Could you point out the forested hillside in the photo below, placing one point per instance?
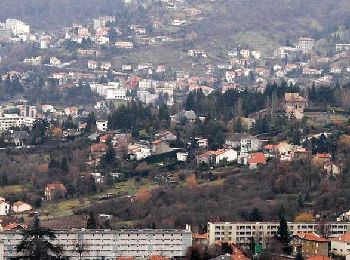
(289, 16)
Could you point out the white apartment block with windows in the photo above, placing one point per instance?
(13, 120)
(16, 26)
(110, 244)
(242, 232)
(111, 91)
(306, 44)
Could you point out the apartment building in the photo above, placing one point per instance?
(242, 232)
(306, 44)
(110, 244)
(13, 120)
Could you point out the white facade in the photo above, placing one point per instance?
(229, 155)
(102, 125)
(241, 233)
(13, 120)
(111, 244)
(16, 26)
(4, 208)
(111, 91)
(181, 157)
(340, 247)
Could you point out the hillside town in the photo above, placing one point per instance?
(137, 139)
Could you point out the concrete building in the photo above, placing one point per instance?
(110, 244)
(306, 44)
(340, 246)
(241, 232)
(16, 26)
(103, 21)
(13, 120)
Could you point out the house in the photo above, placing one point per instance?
(181, 156)
(105, 138)
(310, 244)
(203, 158)
(305, 44)
(102, 125)
(20, 206)
(245, 53)
(228, 155)
(160, 146)
(256, 159)
(55, 191)
(18, 138)
(98, 148)
(106, 65)
(295, 100)
(92, 65)
(284, 151)
(245, 142)
(97, 177)
(166, 136)
(340, 246)
(200, 239)
(251, 144)
(4, 207)
(186, 116)
(202, 142)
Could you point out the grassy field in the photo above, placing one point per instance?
(13, 189)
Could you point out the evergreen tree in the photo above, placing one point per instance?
(36, 243)
(284, 235)
(255, 215)
(64, 165)
(91, 222)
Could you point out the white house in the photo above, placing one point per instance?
(229, 155)
(181, 156)
(20, 206)
(340, 246)
(102, 125)
(92, 65)
(4, 207)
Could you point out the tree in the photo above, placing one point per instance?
(64, 165)
(255, 215)
(37, 244)
(108, 159)
(91, 222)
(284, 235)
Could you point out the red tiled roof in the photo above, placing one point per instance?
(100, 147)
(312, 237)
(323, 156)
(320, 257)
(56, 186)
(257, 158)
(200, 236)
(344, 238)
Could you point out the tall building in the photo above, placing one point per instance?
(16, 26)
(306, 44)
(241, 232)
(103, 21)
(110, 244)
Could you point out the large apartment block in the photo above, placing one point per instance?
(109, 244)
(242, 232)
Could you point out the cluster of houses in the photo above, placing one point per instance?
(17, 208)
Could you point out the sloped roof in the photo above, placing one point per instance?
(312, 237)
(256, 158)
(56, 186)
